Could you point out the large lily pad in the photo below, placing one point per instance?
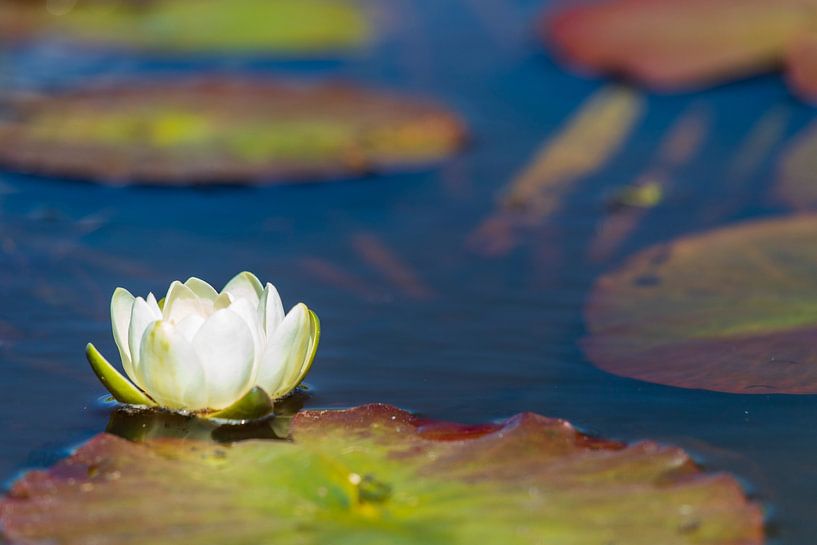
(223, 131)
(376, 475)
(677, 45)
(733, 310)
(284, 27)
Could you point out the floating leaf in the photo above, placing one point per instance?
(376, 475)
(734, 310)
(801, 61)
(284, 27)
(223, 131)
(677, 45)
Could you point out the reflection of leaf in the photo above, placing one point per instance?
(279, 26)
(376, 475)
(680, 144)
(734, 310)
(581, 147)
(224, 131)
(670, 44)
(796, 184)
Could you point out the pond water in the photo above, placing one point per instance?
(441, 329)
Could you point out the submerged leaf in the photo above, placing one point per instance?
(283, 27)
(223, 131)
(376, 475)
(734, 310)
(677, 45)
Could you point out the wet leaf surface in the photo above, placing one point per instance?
(732, 311)
(680, 45)
(223, 131)
(376, 474)
(282, 27)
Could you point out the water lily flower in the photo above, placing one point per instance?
(226, 354)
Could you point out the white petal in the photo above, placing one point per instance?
(205, 292)
(190, 326)
(245, 285)
(121, 308)
(142, 315)
(201, 288)
(225, 348)
(249, 314)
(270, 310)
(224, 300)
(153, 304)
(180, 303)
(285, 352)
(172, 373)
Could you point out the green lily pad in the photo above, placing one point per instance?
(223, 131)
(734, 310)
(674, 45)
(282, 27)
(376, 475)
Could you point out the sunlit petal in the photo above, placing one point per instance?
(245, 285)
(171, 370)
(225, 348)
(180, 303)
(285, 352)
(141, 317)
(121, 308)
(270, 310)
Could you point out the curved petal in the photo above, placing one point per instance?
(225, 348)
(180, 303)
(205, 292)
(142, 315)
(312, 348)
(270, 310)
(285, 353)
(201, 288)
(190, 326)
(119, 387)
(171, 370)
(249, 314)
(245, 285)
(121, 308)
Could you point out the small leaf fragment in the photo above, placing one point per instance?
(255, 404)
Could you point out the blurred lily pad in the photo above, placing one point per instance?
(282, 27)
(733, 310)
(376, 475)
(680, 45)
(223, 131)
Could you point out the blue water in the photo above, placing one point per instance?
(472, 338)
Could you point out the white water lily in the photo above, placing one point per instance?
(201, 350)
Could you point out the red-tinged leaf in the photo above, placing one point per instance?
(673, 45)
(730, 310)
(377, 475)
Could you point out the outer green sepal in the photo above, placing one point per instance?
(120, 388)
(255, 404)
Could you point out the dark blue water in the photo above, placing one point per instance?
(468, 337)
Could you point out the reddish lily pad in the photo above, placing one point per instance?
(278, 27)
(673, 45)
(376, 475)
(223, 131)
(734, 310)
